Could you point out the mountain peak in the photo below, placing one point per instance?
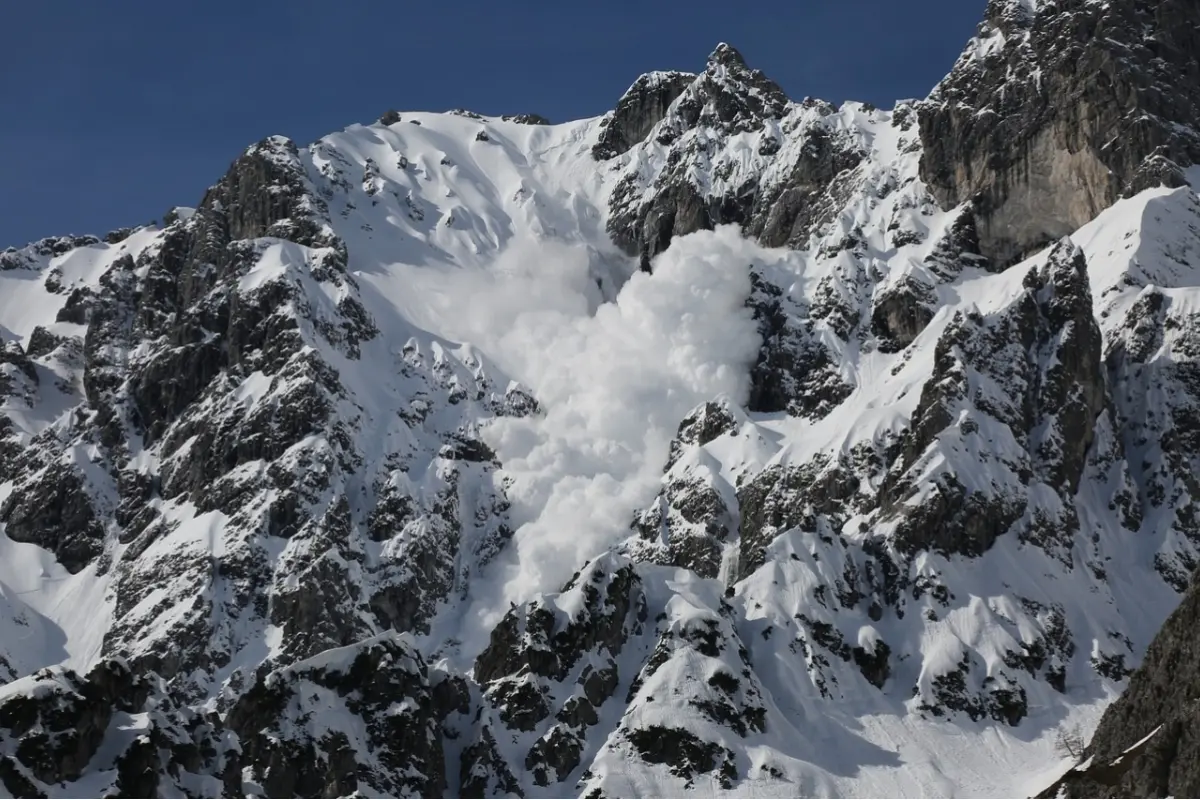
(728, 95)
(726, 55)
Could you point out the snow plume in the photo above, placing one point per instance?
(613, 386)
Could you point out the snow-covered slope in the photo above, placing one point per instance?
(710, 445)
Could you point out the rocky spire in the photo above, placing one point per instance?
(727, 55)
(731, 96)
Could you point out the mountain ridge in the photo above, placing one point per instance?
(719, 443)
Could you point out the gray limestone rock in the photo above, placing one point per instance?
(901, 312)
(526, 119)
(52, 508)
(727, 98)
(338, 550)
(1035, 369)
(781, 498)
(379, 728)
(685, 527)
(1054, 113)
(537, 652)
(794, 372)
(58, 724)
(1146, 744)
(642, 106)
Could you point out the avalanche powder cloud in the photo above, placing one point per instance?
(612, 384)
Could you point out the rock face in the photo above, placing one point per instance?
(548, 669)
(169, 334)
(1036, 371)
(57, 725)
(367, 718)
(690, 521)
(278, 518)
(641, 108)
(364, 718)
(694, 115)
(1145, 745)
(1059, 108)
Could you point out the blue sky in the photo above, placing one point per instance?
(112, 112)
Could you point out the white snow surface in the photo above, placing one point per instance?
(492, 256)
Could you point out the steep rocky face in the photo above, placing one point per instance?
(1058, 108)
(689, 523)
(795, 372)
(58, 724)
(367, 718)
(226, 384)
(728, 99)
(1012, 424)
(1036, 371)
(1146, 745)
(549, 668)
(638, 111)
(688, 720)
(811, 176)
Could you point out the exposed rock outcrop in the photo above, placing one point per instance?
(1036, 372)
(1146, 744)
(57, 724)
(642, 107)
(562, 646)
(366, 718)
(1056, 109)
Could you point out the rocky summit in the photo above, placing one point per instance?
(724, 444)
